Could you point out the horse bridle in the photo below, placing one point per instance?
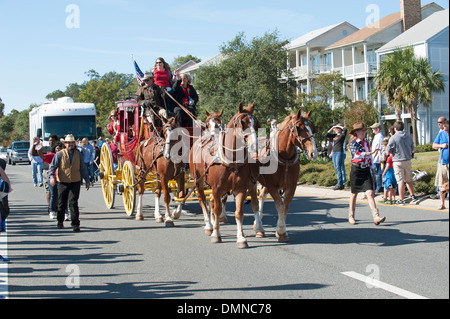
(236, 123)
(294, 132)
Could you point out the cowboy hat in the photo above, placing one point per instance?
(148, 76)
(358, 127)
(113, 112)
(69, 138)
(339, 125)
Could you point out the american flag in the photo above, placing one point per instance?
(139, 73)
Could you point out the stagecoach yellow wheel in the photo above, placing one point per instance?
(129, 190)
(107, 175)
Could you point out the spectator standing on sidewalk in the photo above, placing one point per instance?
(401, 145)
(441, 143)
(440, 122)
(376, 144)
(338, 154)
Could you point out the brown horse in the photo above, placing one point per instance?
(293, 133)
(223, 164)
(155, 157)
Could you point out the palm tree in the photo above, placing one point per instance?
(387, 80)
(408, 80)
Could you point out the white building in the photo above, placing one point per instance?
(355, 56)
(307, 57)
(430, 39)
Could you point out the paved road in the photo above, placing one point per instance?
(115, 256)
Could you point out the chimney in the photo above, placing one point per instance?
(411, 13)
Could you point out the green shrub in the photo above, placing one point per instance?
(424, 148)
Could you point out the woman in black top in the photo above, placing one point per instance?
(338, 154)
(185, 95)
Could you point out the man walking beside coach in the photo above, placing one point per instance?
(68, 165)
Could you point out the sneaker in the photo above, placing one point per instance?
(76, 228)
(40, 184)
(400, 202)
(385, 201)
(35, 185)
(60, 225)
(4, 259)
(52, 215)
(414, 199)
(66, 217)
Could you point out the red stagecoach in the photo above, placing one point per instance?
(118, 172)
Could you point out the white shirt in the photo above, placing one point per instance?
(376, 144)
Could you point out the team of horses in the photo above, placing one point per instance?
(231, 161)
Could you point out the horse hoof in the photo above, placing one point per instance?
(208, 232)
(216, 240)
(260, 234)
(159, 220)
(282, 238)
(169, 223)
(242, 245)
(139, 217)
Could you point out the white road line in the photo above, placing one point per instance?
(379, 284)
(3, 267)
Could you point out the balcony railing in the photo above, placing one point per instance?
(359, 69)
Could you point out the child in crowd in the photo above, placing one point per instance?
(389, 181)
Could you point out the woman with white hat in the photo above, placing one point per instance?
(338, 154)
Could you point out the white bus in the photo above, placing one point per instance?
(62, 117)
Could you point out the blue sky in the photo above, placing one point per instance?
(43, 48)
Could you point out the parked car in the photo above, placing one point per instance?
(18, 152)
(3, 153)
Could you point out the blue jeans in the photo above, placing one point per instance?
(36, 169)
(339, 165)
(90, 170)
(379, 177)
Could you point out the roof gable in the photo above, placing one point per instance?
(421, 32)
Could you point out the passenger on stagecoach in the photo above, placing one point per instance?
(114, 126)
(185, 95)
(164, 79)
(149, 96)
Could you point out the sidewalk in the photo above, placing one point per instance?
(425, 202)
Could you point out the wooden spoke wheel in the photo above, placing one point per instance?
(129, 189)
(107, 175)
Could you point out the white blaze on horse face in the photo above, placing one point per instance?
(316, 153)
(213, 128)
(253, 143)
(167, 146)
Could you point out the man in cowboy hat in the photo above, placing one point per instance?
(149, 96)
(70, 165)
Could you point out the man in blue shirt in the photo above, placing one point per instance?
(441, 143)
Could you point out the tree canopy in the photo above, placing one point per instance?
(252, 72)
